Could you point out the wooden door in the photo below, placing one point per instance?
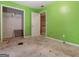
(42, 23)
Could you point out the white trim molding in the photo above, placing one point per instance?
(27, 36)
(65, 42)
(46, 23)
(1, 25)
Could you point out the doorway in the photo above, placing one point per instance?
(12, 22)
(43, 23)
(39, 24)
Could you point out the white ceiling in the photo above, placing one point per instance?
(34, 4)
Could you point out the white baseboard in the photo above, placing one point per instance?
(54, 39)
(73, 44)
(31, 36)
(27, 36)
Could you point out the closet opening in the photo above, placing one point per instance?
(13, 22)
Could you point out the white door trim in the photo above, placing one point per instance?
(3, 5)
(1, 26)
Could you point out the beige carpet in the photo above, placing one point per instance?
(38, 47)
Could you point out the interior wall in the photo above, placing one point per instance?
(11, 22)
(63, 21)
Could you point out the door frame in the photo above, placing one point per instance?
(3, 5)
(45, 22)
(1, 24)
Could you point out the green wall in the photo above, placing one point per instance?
(28, 12)
(63, 19)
